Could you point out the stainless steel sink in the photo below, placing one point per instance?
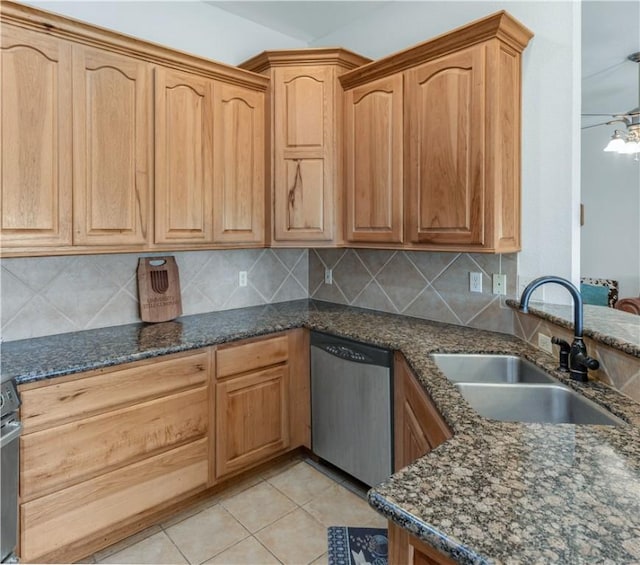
(477, 368)
(542, 403)
(512, 389)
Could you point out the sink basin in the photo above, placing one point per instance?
(541, 403)
(512, 389)
(477, 368)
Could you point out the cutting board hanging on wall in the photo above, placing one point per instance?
(159, 289)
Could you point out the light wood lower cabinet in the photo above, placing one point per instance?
(106, 452)
(251, 418)
(406, 549)
(131, 440)
(262, 400)
(419, 427)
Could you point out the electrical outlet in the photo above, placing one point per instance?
(328, 276)
(544, 343)
(242, 278)
(499, 284)
(475, 282)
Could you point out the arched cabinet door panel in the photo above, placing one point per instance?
(303, 154)
(373, 161)
(184, 157)
(112, 148)
(444, 119)
(36, 145)
(239, 162)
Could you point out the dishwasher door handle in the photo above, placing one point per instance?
(10, 432)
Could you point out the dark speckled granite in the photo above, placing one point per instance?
(495, 493)
(620, 330)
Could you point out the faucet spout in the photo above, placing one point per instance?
(578, 322)
(579, 361)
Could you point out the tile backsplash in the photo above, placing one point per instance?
(427, 285)
(51, 295)
(618, 369)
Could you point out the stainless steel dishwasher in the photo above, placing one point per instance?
(351, 406)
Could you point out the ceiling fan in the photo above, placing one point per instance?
(625, 141)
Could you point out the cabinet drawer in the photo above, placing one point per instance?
(55, 522)
(234, 359)
(100, 391)
(59, 457)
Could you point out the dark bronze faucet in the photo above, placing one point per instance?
(573, 358)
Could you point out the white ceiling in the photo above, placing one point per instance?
(610, 32)
(305, 20)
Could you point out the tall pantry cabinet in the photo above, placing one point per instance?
(306, 113)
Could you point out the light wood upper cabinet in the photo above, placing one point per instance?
(183, 157)
(112, 148)
(445, 159)
(306, 116)
(303, 164)
(239, 165)
(373, 161)
(461, 141)
(35, 196)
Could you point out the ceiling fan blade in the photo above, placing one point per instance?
(595, 125)
(612, 115)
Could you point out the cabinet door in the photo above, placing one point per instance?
(251, 418)
(303, 123)
(35, 196)
(184, 157)
(239, 160)
(444, 121)
(419, 427)
(374, 155)
(112, 148)
(407, 549)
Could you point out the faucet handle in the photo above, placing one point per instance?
(565, 348)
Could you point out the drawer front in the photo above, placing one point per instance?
(234, 359)
(51, 523)
(61, 456)
(102, 391)
(251, 419)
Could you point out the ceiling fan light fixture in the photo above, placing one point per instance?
(630, 148)
(616, 143)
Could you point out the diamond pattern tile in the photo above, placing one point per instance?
(352, 274)
(267, 275)
(43, 296)
(401, 281)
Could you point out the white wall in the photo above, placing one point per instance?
(611, 198)
(194, 27)
(550, 116)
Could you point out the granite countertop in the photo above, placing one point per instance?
(494, 493)
(612, 327)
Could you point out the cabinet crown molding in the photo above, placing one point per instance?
(501, 25)
(95, 36)
(297, 57)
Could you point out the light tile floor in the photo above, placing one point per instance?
(278, 516)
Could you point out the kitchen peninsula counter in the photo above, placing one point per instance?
(496, 492)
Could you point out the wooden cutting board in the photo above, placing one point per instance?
(159, 289)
